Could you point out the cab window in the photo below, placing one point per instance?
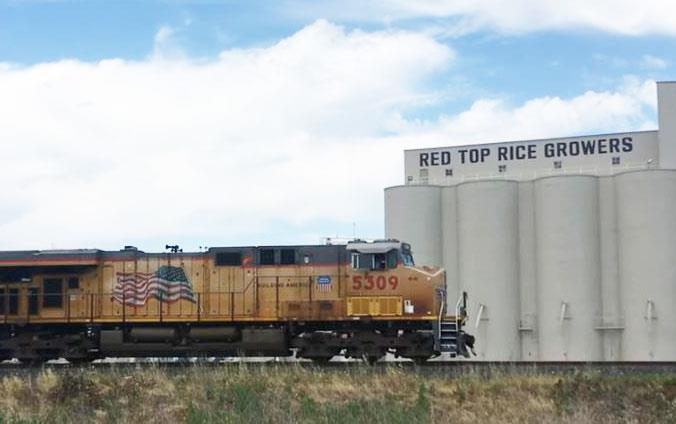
(392, 259)
(407, 259)
(379, 261)
(375, 261)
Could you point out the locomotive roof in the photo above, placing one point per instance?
(94, 256)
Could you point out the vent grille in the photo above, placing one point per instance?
(374, 306)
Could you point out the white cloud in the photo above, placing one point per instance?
(628, 108)
(240, 148)
(516, 16)
(96, 153)
(166, 45)
(653, 62)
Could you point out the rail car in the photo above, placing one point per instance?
(360, 300)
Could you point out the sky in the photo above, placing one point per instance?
(225, 123)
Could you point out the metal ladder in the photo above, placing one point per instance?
(448, 330)
(448, 337)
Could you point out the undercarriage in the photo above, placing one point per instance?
(319, 341)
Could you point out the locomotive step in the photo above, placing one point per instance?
(448, 337)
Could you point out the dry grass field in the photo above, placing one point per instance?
(301, 394)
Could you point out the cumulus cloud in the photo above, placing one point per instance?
(257, 146)
(261, 138)
(516, 16)
(630, 107)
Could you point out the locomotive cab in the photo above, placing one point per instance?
(386, 284)
(380, 255)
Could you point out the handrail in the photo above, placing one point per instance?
(442, 306)
(479, 315)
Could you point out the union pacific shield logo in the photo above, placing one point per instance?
(324, 283)
(168, 284)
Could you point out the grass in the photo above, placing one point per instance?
(296, 394)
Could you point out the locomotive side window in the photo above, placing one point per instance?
(73, 283)
(228, 258)
(379, 261)
(392, 259)
(13, 301)
(361, 261)
(266, 257)
(33, 295)
(287, 257)
(374, 261)
(52, 293)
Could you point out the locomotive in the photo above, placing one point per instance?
(359, 300)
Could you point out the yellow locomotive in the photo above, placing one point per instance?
(360, 300)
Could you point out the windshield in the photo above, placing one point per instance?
(407, 258)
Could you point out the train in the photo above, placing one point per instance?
(355, 300)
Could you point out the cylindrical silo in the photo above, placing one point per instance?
(611, 325)
(647, 251)
(487, 213)
(413, 215)
(568, 268)
(449, 230)
(527, 273)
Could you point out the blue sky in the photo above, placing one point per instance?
(280, 122)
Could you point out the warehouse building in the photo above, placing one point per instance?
(566, 246)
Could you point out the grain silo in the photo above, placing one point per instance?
(566, 246)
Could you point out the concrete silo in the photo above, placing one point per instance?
(487, 215)
(611, 324)
(413, 215)
(646, 202)
(568, 268)
(449, 229)
(576, 260)
(527, 273)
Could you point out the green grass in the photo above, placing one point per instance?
(295, 394)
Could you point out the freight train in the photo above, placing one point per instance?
(359, 300)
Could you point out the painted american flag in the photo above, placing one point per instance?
(168, 284)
